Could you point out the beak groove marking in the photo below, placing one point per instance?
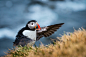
(35, 26)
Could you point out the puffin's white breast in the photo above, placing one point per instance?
(30, 34)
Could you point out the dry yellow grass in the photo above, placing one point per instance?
(71, 45)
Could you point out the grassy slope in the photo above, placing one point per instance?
(71, 45)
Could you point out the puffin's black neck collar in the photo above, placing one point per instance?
(30, 29)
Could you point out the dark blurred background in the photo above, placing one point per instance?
(14, 14)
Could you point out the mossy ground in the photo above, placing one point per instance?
(70, 45)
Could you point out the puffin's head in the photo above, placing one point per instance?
(33, 25)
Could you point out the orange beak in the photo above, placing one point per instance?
(38, 26)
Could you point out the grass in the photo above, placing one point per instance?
(70, 45)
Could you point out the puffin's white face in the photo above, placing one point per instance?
(32, 25)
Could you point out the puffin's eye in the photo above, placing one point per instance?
(32, 23)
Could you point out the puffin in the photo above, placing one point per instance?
(32, 32)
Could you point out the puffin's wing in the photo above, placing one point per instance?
(47, 31)
(23, 40)
(19, 37)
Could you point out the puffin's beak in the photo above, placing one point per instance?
(38, 26)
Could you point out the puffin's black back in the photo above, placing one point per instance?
(20, 38)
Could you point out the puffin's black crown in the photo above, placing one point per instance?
(32, 21)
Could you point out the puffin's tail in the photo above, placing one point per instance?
(16, 42)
